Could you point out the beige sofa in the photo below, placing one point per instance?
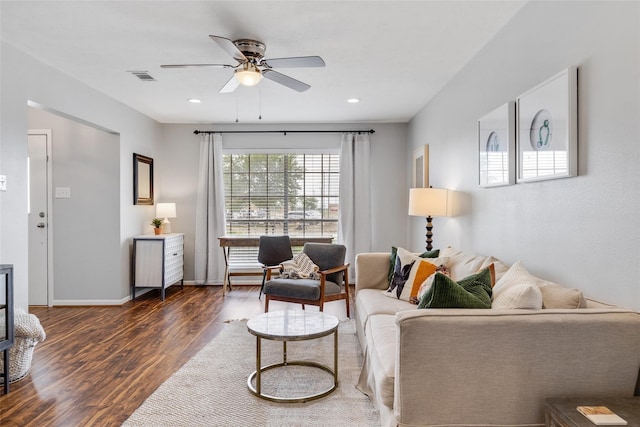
(494, 367)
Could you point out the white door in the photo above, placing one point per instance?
(38, 208)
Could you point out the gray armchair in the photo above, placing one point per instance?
(333, 284)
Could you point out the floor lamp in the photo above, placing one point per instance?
(429, 202)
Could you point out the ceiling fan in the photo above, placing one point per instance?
(252, 65)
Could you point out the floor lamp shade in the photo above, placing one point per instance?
(429, 202)
(166, 210)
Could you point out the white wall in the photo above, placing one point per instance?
(179, 163)
(86, 243)
(584, 231)
(175, 150)
(23, 79)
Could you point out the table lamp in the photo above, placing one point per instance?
(429, 202)
(166, 210)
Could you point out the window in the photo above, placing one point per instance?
(294, 194)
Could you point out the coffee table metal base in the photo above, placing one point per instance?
(257, 390)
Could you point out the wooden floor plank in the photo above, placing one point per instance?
(98, 364)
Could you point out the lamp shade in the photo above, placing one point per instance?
(428, 202)
(165, 210)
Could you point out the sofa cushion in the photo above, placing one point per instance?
(306, 289)
(462, 264)
(471, 292)
(553, 295)
(392, 259)
(374, 301)
(381, 337)
(370, 302)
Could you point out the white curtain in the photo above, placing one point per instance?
(210, 212)
(354, 225)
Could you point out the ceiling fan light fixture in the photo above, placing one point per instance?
(248, 75)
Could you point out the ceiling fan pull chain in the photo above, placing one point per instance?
(236, 109)
(259, 105)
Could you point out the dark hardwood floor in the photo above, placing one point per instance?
(98, 364)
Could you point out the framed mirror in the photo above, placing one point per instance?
(142, 180)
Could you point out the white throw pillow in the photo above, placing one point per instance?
(521, 295)
(517, 289)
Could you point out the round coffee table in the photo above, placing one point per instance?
(298, 325)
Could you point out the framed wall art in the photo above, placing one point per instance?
(496, 146)
(548, 129)
(142, 180)
(421, 167)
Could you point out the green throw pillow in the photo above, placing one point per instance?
(394, 253)
(471, 292)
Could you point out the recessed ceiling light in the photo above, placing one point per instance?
(353, 100)
(194, 100)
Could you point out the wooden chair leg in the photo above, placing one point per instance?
(264, 279)
(266, 303)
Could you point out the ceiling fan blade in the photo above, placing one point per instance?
(230, 86)
(285, 80)
(197, 65)
(229, 47)
(295, 62)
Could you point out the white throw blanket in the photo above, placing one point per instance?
(299, 267)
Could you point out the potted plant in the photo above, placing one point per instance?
(157, 223)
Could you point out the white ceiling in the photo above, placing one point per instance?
(393, 55)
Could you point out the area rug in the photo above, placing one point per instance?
(211, 389)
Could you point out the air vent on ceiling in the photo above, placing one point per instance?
(143, 75)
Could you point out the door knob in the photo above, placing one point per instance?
(40, 225)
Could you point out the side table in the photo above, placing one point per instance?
(563, 413)
(297, 325)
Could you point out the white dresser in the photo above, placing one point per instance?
(158, 262)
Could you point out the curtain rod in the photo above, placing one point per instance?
(283, 131)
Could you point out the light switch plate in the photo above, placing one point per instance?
(3, 183)
(63, 192)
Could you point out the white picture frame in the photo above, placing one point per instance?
(496, 146)
(547, 136)
(421, 167)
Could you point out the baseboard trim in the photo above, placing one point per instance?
(79, 302)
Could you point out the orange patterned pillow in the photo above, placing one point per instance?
(422, 270)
